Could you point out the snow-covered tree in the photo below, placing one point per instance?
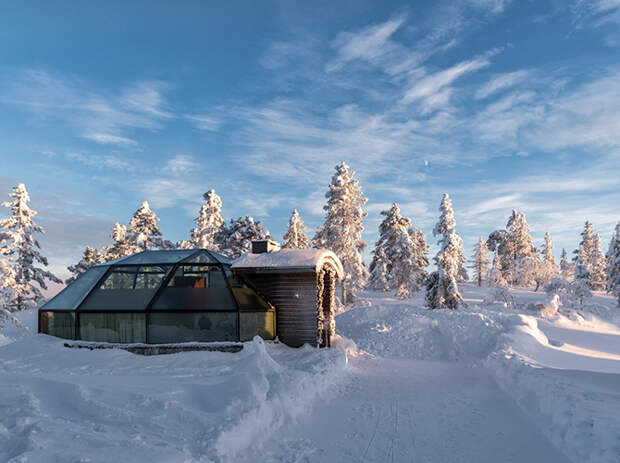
(144, 231)
(295, 238)
(547, 249)
(342, 230)
(121, 246)
(481, 261)
(613, 273)
(378, 279)
(237, 237)
(21, 253)
(566, 268)
(441, 286)
(90, 258)
(401, 250)
(598, 266)
(496, 277)
(208, 224)
(511, 245)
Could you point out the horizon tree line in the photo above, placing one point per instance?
(399, 257)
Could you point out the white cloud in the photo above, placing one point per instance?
(204, 122)
(430, 86)
(596, 12)
(100, 161)
(182, 164)
(94, 114)
(109, 139)
(501, 82)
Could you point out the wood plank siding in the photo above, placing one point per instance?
(294, 296)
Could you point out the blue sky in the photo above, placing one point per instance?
(501, 104)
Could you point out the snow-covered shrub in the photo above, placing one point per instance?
(572, 294)
(500, 294)
(546, 309)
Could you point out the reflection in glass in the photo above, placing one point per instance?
(187, 327)
(58, 324)
(113, 327)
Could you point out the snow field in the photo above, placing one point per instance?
(59, 404)
(562, 368)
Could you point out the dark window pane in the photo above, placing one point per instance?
(126, 288)
(113, 327)
(247, 298)
(257, 323)
(196, 287)
(187, 327)
(73, 294)
(58, 324)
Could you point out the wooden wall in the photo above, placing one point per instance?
(294, 296)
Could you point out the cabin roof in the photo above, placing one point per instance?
(289, 260)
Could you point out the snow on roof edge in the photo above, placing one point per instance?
(290, 258)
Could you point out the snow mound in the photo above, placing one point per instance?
(62, 404)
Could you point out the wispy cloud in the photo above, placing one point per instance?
(100, 161)
(94, 114)
(204, 122)
(501, 82)
(434, 85)
(596, 12)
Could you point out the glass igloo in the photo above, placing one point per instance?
(160, 297)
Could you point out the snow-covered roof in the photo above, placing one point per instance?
(302, 259)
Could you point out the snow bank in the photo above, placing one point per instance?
(561, 367)
(62, 404)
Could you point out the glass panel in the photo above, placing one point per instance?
(247, 298)
(113, 327)
(196, 287)
(202, 258)
(257, 323)
(126, 288)
(73, 294)
(187, 327)
(159, 257)
(58, 324)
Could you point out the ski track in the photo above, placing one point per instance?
(397, 410)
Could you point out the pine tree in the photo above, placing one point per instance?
(496, 276)
(441, 286)
(421, 247)
(23, 283)
(613, 255)
(547, 250)
(566, 269)
(238, 236)
(144, 231)
(208, 223)
(598, 266)
(295, 238)
(515, 250)
(379, 272)
(122, 245)
(400, 249)
(90, 258)
(342, 230)
(481, 261)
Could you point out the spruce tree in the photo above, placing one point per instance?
(342, 230)
(401, 249)
(22, 280)
(238, 236)
(566, 268)
(481, 261)
(295, 238)
(613, 272)
(598, 266)
(122, 245)
(441, 286)
(379, 271)
(208, 223)
(143, 230)
(90, 258)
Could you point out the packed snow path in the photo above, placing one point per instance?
(395, 410)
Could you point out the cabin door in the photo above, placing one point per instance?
(327, 307)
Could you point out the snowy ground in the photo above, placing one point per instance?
(484, 383)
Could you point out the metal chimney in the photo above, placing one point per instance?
(261, 246)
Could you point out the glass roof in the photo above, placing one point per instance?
(142, 280)
(72, 295)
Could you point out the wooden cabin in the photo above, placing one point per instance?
(300, 284)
